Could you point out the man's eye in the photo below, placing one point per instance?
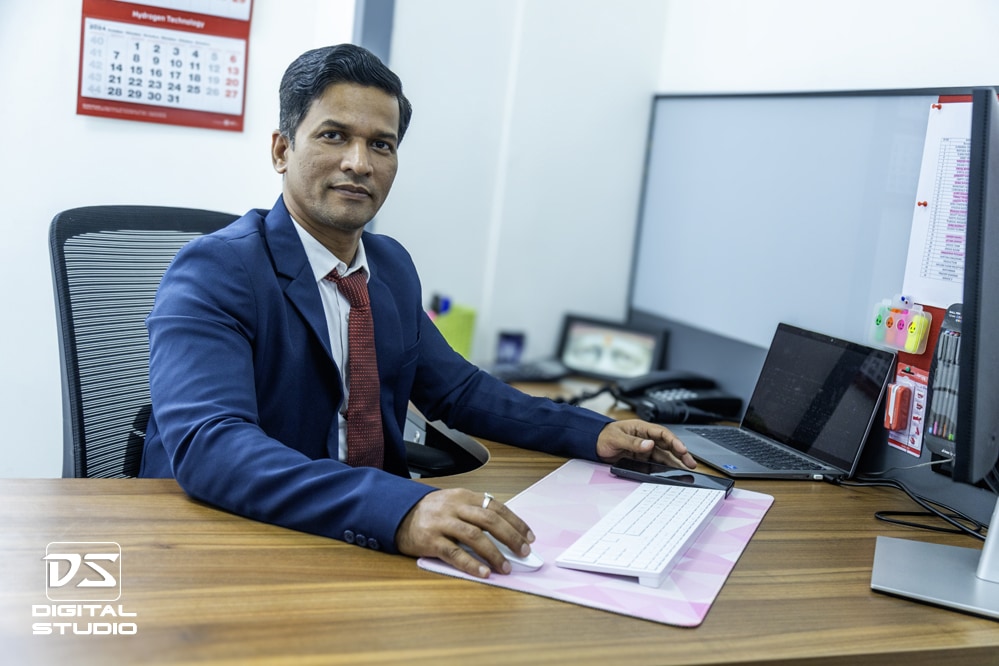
(383, 146)
(333, 136)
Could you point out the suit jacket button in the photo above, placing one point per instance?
(361, 540)
(348, 536)
(373, 544)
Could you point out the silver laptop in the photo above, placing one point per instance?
(814, 404)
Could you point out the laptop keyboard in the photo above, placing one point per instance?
(756, 449)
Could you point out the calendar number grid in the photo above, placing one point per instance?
(163, 68)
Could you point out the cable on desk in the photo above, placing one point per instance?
(932, 508)
(582, 397)
(929, 463)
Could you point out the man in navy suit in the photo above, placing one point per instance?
(248, 347)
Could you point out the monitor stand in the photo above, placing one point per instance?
(963, 579)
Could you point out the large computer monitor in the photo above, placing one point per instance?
(779, 207)
(976, 446)
(965, 578)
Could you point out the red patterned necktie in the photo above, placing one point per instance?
(365, 444)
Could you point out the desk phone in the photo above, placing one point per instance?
(670, 396)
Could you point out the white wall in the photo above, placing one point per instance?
(519, 182)
(57, 160)
(791, 45)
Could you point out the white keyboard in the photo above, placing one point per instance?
(646, 534)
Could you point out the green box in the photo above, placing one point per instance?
(457, 325)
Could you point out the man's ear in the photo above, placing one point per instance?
(280, 145)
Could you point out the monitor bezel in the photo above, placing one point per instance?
(976, 443)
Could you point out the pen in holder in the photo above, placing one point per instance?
(900, 324)
(941, 420)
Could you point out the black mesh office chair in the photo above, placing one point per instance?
(107, 262)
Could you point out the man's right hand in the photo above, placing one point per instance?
(446, 518)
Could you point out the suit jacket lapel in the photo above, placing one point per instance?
(292, 268)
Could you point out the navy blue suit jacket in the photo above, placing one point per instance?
(245, 392)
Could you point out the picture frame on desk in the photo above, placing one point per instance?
(610, 351)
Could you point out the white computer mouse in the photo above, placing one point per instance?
(531, 562)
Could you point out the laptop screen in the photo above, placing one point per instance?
(819, 394)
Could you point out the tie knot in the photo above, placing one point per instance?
(354, 287)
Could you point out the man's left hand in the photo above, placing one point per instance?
(633, 438)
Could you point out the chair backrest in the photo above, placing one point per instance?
(107, 262)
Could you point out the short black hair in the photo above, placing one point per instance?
(312, 72)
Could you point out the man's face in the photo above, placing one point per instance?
(344, 160)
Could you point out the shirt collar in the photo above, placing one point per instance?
(323, 261)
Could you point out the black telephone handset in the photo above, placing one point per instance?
(672, 396)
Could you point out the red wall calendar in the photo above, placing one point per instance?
(180, 62)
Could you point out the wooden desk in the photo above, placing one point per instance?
(210, 587)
